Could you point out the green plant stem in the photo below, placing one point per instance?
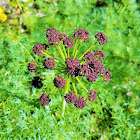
(26, 50)
(64, 50)
(81, 84)
(74, 86)
(49, 56)
(68, 53)
(77, 50)
(66, 88)
(61, 53)
(86, 51)
(75, 47)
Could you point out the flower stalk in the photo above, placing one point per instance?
(66, 88)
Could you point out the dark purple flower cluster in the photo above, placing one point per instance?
(70, 97)
(37, 82)
(95, 66)
(81, 34)
(106, 75)
(54, 37)
(59, 81)
(68, 42)
(80, 103)
(99, 54)
(62, 36)
(85, 70)
(92, 77)
(49, 63)
(92, 95)
(38, 48)
(101, 37)
(73, 66)
(32, 66)
(44, 100)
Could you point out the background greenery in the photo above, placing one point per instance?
(114, 115)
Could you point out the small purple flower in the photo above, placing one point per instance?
(68, 42)
(51, 31)
(53, 39)
(106, 75)
(81, 34)
(85, 71)
(99, 54)
(70, 97)
(49, 63)
(80, 103)
(73, 66)
(92, 95)
(101, 37)
(92, 77)
(44, 100)
(90, 56)
(32, 66)
(62, 36)
(38, 48)
(59, 81)
(53, 36)
(99, 68)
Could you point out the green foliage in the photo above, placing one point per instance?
(114, 115)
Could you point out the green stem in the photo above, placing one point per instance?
(66, 88)
(68, 53)
(64, 50)
(49, 56)
(61, 53)
(81, 84)
(75, 47)
(74, 86)
(86, 51)
(26, 50)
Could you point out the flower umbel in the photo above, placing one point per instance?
(71, 68)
